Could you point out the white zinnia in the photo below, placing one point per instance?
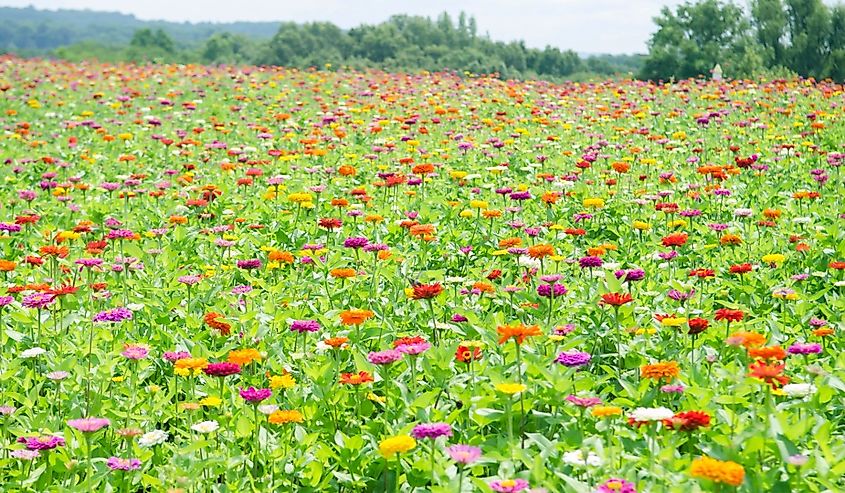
(33, 352)
(651, 413)
(152, 438)
(526, 261)
(205, 427)
(576, 458)
(799, 389)
(268, 408)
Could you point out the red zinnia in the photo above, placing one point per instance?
(427, 291)
(466, 354)
(688, 421)
(330, 223)
(729, 315)
(675, 240)
(359, 378)
(702, 273)
(740, 268)
(616, 299)
(697, 325)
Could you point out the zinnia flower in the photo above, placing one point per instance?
(616, 485)
(518, 332)
(509, 485)
(396, 445)
(117, 463)
(88, 425)
(464, 454)
(254, 396)
(573, 359)
(431, 430)
(726, 472)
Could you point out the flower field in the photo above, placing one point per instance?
(259, 279)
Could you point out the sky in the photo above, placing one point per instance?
(586, 26)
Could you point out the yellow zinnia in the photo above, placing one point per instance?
(396, 445)
(510, 388)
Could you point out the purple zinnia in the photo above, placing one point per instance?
(431, 430)
(630, 275)
(804, 348)
(355, 242)
(545, 290)
(37, 300)
(573, 359)
(46, 442)
(254, 396)
(590, 261)
(173, 356)
(114, 315)
(304, 326)
(120, 464)
(253, 263)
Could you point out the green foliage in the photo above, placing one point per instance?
(697, 36)
(802, 36)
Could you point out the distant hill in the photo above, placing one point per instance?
(32, 30)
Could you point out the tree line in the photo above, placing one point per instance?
(779, 37)
(401, 43)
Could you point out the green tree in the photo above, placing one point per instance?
(697, 36)
(769, 21)
(151, 45)
(808, 29)
(835, 66)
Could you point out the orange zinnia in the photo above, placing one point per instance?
(518, 332)
(355, 316)
(661, 370)
(336, 342)
(540, 251)
(771, 374)
(768, 353)
(422, 230)
(510, 242)
(342, 273)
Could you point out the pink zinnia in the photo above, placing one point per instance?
(89, 425)
(464, 454)
(509, 485)
(135, 351)
(384, 357)
(414, 349)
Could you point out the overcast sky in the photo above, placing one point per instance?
(586, 26)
